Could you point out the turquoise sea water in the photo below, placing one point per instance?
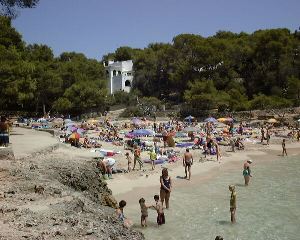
(268, 209)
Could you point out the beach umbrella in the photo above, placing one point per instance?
(67, 120)
(142, 132)
(42, 120)
(70, 124)
(136, 121)
(180, 135)
(191, 129)
(92, 121)
(210, 119)
(189, 118)
(223, 120)
(272, 120)
(74, 135)
(230, 119)
(57, 120)
(81, 131)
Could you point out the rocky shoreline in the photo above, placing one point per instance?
(57, 195)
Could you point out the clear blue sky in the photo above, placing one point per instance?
(96, 27)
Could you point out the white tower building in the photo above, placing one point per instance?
(120, 76)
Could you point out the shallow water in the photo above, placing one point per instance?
(268, 209)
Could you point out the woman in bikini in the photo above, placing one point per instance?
(165, 187)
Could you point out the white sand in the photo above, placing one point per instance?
(26, 142)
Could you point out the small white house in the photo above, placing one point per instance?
(120, 76)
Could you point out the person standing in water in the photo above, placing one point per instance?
(160, 211)
(187, 162)
(120, 214)
(283, 148)
(144, 212)
(247, 172)
(232, 203)
(165, 187)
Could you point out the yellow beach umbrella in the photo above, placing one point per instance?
(222, 120)
(92, 121)
(272, 120)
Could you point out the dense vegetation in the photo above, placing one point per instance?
(227, 71)
(9, 7)
(32, 79)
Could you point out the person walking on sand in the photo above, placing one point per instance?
(129, 161)
(187, 162)
(283, 148)
(153, 157)
(4, 132)
(247, 172)
(268, 136)
(232, 203)
(137, 156)
(165, 187)
(218, 152)
(262, 131)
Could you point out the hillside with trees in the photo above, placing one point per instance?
(227, 71)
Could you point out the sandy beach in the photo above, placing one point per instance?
(40, 159)
(125, 187)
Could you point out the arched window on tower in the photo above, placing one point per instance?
(127, 83)
(114, 72)
(119, 72)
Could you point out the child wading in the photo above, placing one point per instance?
(160, 212)
(144, 212)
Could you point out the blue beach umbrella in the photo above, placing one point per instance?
(210, 119)
(142, 132)
(189, 118)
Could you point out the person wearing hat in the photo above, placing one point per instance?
(247, 171)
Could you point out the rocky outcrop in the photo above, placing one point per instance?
(6, 153)
(58, 195)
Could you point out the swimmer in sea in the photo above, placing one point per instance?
(247, 171)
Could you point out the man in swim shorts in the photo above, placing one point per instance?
(187, 162)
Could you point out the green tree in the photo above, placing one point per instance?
(8, 7)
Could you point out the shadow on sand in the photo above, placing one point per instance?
(180, 177)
